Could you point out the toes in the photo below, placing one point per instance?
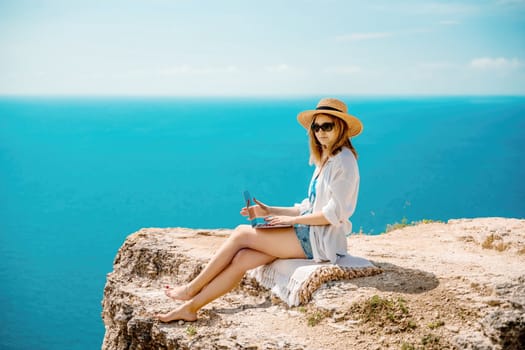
(162, 317)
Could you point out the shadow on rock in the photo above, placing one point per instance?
(266, 304)
(399, 279)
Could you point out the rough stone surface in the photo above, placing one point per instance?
(455, 285)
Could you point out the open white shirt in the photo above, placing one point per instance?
(336, 197)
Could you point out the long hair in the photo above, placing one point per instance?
(316, 149)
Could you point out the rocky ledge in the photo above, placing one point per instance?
(455, 285)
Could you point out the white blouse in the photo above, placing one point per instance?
(336, 197)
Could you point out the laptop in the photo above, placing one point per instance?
(255, 221)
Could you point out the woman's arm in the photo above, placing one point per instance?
(286, 211)
(314, 219)
(260, 210)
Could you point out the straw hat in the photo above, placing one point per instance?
(333, 107)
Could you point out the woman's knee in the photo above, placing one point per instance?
(241, 235)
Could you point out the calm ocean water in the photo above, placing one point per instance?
(77, 175)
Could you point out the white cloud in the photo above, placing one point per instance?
(485, 63)
(363, 36)
(351, 69)
(277, 68)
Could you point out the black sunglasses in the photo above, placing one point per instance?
(325, 127)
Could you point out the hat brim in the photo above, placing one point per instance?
(355, 127)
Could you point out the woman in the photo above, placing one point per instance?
(320, 222)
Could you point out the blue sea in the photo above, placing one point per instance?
(77, 175)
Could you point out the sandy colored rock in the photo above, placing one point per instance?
(450, 285)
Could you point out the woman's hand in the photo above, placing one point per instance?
(260, 210)
(280, 220)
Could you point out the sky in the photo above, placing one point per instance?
(260, 48)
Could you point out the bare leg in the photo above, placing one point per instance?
(252, 248)
(219, 261)
(244, 260)
(281, 243)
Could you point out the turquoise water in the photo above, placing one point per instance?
(77, 175)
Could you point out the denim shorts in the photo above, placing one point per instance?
(303, 235)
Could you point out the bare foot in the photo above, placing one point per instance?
(180, 313)
(178, 293)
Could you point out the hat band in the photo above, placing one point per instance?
(329, 108)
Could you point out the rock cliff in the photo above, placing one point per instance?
(455, 285)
